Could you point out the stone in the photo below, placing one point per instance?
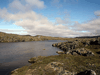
(60, 52)
(54, 45)
(81, 51)
(74, 53)
(32, 60)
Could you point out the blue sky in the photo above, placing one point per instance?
(59, 18)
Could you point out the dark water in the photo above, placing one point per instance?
(16, 55)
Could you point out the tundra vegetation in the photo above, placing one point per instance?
(86, 62)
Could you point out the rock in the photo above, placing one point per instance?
(81, 51)
(32, 60)
(65, 46)
(60, 52)
(74, 53)
(70, 46)
(87, 72)
(54, 45)
(54, 66)
(58, 67)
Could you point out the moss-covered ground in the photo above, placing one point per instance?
(72, 63)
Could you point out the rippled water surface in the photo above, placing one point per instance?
(15, 55)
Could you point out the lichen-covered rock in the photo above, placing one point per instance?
(54, 66)
(32, 60)
(81, 51)
(58, 67)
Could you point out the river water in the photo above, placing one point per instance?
(16, 55)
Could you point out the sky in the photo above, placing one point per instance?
(56, 18)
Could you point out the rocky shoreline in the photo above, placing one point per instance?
(79, 57)
(76, 47)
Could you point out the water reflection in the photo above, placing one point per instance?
(15, 55)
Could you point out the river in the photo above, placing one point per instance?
(15, 55)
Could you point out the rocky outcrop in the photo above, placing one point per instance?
(58, 68)
(69, 47)
(81, 51)
(65, 46)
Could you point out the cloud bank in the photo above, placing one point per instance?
(37, 24)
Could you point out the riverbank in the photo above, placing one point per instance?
(64, 64)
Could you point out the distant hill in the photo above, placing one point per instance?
(5, 37)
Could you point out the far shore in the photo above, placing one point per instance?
(5, 37)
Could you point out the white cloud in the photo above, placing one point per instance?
(37, 24)
(92, 26)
